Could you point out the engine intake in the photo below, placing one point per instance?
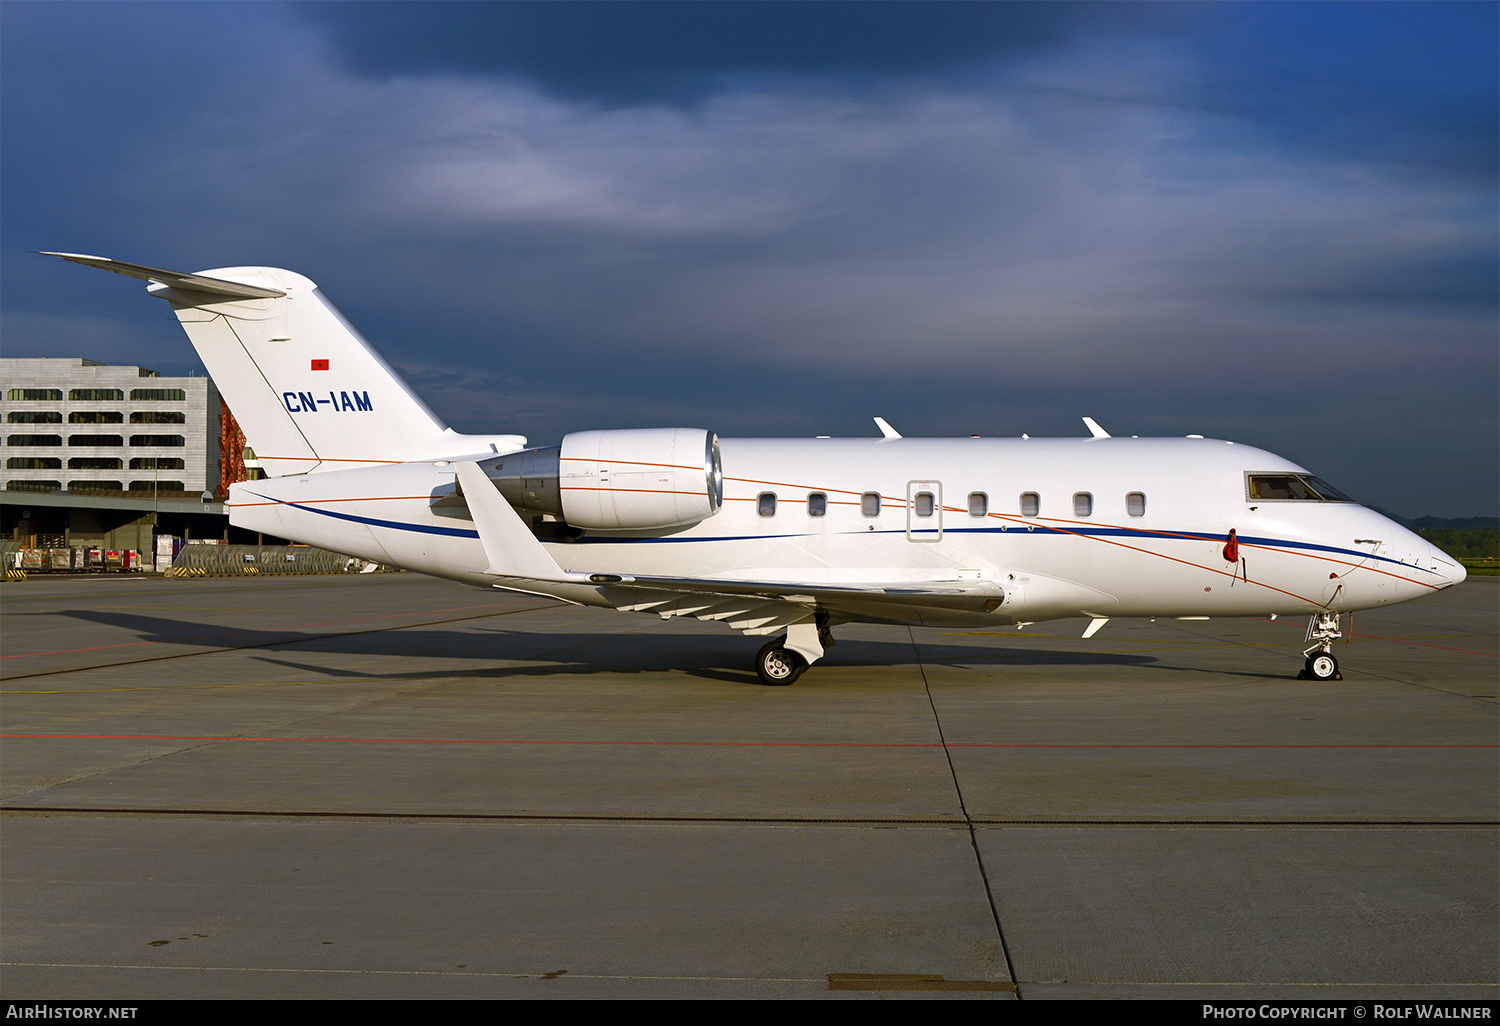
(617, 480)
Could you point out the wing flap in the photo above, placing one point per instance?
(977, 595)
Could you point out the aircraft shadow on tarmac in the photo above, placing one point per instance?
(549, 653)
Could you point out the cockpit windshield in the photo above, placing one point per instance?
(1291, 487)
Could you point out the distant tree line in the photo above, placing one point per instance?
(1475, 543)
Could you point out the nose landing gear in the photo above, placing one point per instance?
(1322, 631)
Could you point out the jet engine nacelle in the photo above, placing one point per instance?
(617, 480)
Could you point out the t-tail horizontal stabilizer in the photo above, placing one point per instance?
(176, 279)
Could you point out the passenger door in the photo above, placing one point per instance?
(924, 511)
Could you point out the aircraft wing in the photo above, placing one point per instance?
(974, 595)
(518, 561)
(762, 607)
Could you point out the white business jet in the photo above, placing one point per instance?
(775, 536)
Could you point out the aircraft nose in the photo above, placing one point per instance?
(1459, 575)
(1452, 571)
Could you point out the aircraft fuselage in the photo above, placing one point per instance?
(1097, 527)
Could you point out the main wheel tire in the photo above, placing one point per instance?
(778, 666)
(1322, 666)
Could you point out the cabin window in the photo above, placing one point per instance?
(1031, 504)
(1291, 487)
(33, 418)
(923, 504)
(869, 504)
(979, 504)
(765, 504)
(96, 395)
(817, 504)
(1083, 504)
(1135, 504)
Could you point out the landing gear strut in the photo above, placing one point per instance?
(1322, 630)
(777, 665)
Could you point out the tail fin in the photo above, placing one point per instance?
(308, 391)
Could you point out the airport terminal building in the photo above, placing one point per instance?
(80, 426)
(98, 455)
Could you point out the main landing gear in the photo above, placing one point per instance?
(781, 662)
(1322, 630)
(776, 665)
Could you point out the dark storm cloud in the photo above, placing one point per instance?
(1410, 86)
(1382, 81)
(645, 52)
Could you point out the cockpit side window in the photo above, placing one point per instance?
(1291, 488)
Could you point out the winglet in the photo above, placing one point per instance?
(886, 429)
(176, 279)
(1094, 428)
(513, 551)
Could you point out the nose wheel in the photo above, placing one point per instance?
(1322, 666)
(778, 666)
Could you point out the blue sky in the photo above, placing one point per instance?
(1274, 223)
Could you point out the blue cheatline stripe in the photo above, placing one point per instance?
(1116, 532)
(451, 532)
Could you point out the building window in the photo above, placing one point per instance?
(157, 463)
(1135, 504)
(923, 504)
(95, 395)
(33, 440)
(869, 504)
(39, 417)
(979, 504)
(817, 504)
(53, 395)
(96, 417)
(32, 486)
(157, 486)
(1031, 504)
(95, 440)
(95, 486)
(157, 440)
(33, 463)
(158, 417)
(1083, 504)
(169, 395)
(93, 463)
(765, 504)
